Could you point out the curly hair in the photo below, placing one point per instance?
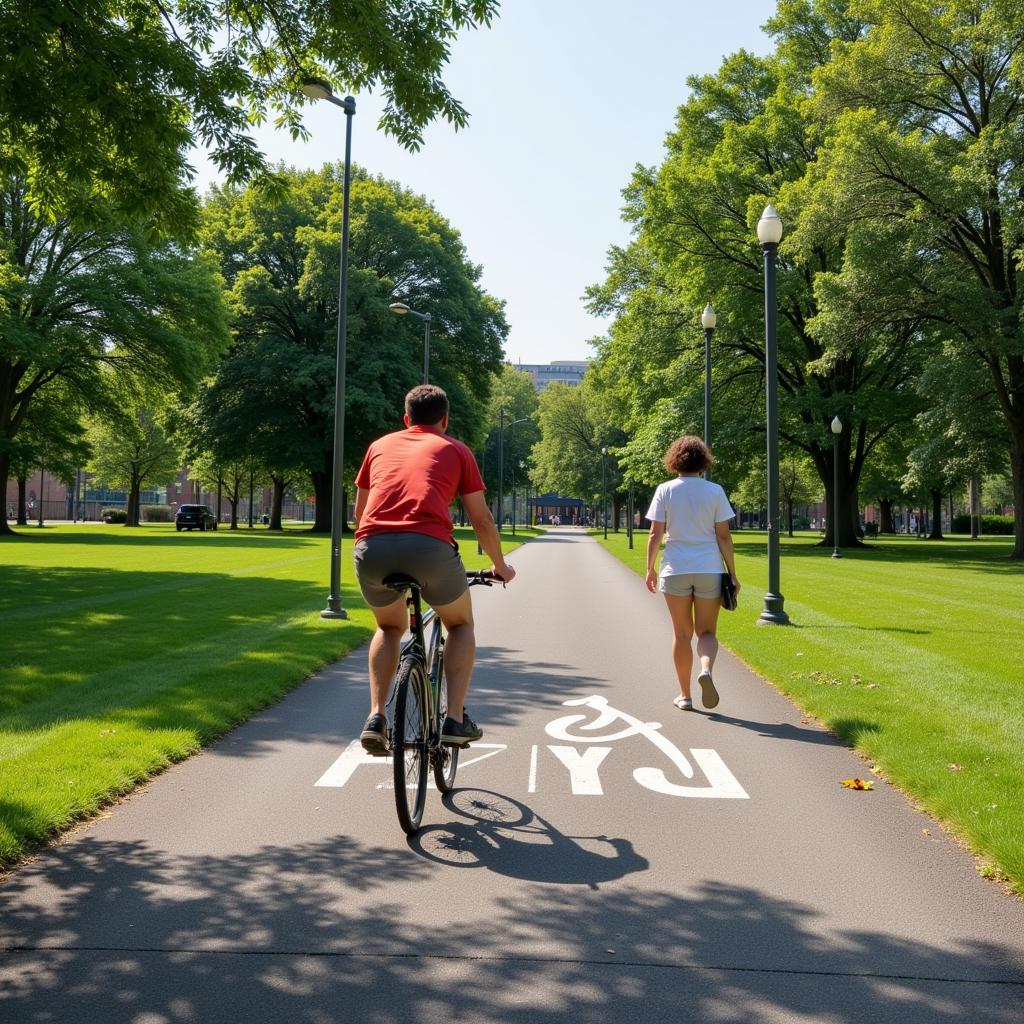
(688, 454)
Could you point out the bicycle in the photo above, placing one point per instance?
(420, 699)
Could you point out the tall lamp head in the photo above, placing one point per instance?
(709, 317)
(837, 426)
(769, 227)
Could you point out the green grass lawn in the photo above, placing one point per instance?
(124, 650)
(911, 650)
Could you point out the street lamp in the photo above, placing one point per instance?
(708, 320)
(403, 310)
(837, 429)
(501, 462)
(604, 491)
(317, 89)
(769, 234)
(526, 495)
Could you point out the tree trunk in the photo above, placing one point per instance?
(220, 497)
(5, 469)
(616, 509)
(885, 508)
(275, 508)
(936, 531)
(22, 511)
(234, 496)
(132, 517)
(972, 503)
(1017, 476)
(847, 521)
(322, 490)
(789, 517)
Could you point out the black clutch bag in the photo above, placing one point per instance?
(728, 593)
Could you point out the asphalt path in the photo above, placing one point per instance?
(604, 858)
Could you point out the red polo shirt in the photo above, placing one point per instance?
(413, 476)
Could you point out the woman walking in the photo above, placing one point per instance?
(692, 515)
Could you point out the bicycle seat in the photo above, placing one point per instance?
(400, 581)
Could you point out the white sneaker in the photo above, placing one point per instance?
(708, 693)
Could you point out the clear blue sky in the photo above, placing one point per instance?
(565, 97)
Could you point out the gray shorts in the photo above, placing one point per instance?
(693, 584)
(434, 563)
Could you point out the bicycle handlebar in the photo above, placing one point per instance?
(483, 578)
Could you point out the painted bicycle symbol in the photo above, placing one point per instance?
(587, 728)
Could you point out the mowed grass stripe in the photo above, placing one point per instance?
(124, 651)
(913, 651)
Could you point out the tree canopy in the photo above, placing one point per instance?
(83, 309)
(100, 103)
(890, 136)
(273, 394)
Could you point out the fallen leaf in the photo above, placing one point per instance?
(954, 767)
(857, 784)
(926, 832)
(805, 721)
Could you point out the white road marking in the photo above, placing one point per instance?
(532, 784)
(354, 756)
(583, 767)
(724, 785)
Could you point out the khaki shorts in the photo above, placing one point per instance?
(435, 564)
(693, 584)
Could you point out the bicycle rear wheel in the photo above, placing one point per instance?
(409, 745)
(445, 759)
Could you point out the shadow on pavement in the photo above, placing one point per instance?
(327, 931)
(507, 837)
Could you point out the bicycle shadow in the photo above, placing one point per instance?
(509, 838)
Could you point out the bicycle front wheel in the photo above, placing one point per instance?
(409, 745)
(445, 759)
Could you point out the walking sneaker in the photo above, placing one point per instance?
(708, 693)
(458, 734)
(374, 736)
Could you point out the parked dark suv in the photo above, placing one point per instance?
(194, 517)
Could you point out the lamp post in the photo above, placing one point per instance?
(526, 495)
(604, 490)
(629, 518)
(403, 310)
(769, 234)
(501, 461)
(42, 491)
(317, 89)
(513, 499)
(708, 320)
(837, 429)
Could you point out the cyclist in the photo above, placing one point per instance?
(404, 488)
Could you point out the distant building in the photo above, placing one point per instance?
(561, 371)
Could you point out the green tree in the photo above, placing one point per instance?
(747, 135)
(131, 451)
(51, 439)
(923, 163)
(798, 485)
(514, 392)
(567, 459)
(273, 394)
(104, 101)
(85, 309)
(882, 480)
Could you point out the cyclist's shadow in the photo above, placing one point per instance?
(507, 837)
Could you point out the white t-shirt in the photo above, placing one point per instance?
(689, 506)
